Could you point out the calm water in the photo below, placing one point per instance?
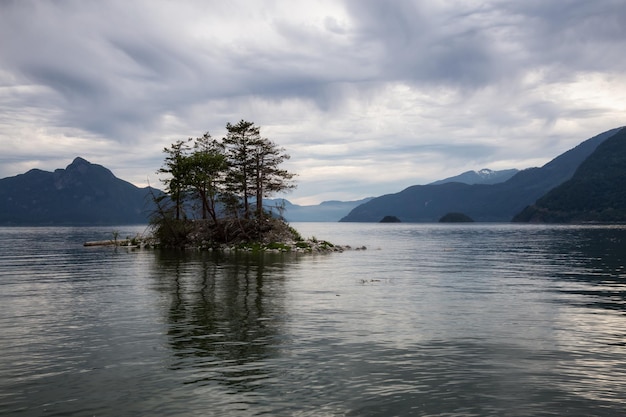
(430, 320)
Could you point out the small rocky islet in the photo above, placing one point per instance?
(280, 238)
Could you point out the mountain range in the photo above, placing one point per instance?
(333, 210)
(81, 194)
(583, 184)
(481, 202)
(89, 194)
(326, 211)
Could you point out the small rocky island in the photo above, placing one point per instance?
(390, 219)
(276, 237)
(456, 218)
(267, 234)
(213, 197)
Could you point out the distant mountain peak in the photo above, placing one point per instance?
(483, 176)
(78, 165)
(82, 193)
(81, 166)
(80, 161)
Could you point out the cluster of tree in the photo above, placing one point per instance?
(223, 182)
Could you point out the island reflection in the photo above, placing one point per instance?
(225, 314)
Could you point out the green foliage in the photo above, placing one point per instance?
(295, 234)
(176, 170)
(325, 245)
(278, 246)
(253, 166)
(172, 233)
(205, 169)
(250, 246)
(303, 245)
(220, 179)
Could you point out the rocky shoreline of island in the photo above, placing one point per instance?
(310, 245)
(303, 246)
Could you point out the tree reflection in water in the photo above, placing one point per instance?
(225, 314)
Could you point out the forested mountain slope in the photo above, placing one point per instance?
(497, 202)
(596, 192)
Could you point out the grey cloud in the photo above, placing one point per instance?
(115, 70)
(425, 46)
(110, 72)
(572, 35)
(478, 45)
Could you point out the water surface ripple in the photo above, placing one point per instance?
(430, 320)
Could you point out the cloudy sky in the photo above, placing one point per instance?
(367, 96)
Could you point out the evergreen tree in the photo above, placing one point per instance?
(254, 166)
(241, 168)
(241, 143)
(206, 167)
(268, 177)
(175, 167)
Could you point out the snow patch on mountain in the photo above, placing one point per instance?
(483, 176)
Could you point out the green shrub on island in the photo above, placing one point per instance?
(303, 245)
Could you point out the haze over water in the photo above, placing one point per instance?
(430, 320)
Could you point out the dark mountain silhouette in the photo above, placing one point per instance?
(81, 194)
(497, 202)
(596, 192)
